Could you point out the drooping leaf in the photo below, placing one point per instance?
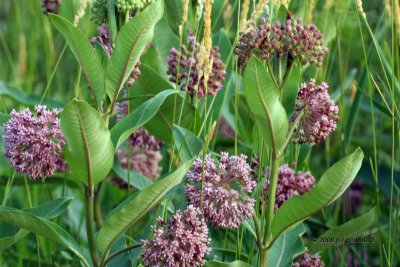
(42, 227)
(137, 118)
(356, 227)
(331, 186)
(133, 210)
(290, 88)
(236, 263)
(25, 98)
(10, 234)
(286, 248)
(186, 143)
(131, 41)
(263, 99)
(84, 53)
(89, 150)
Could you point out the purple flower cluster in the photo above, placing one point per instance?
(50, 6)
(189, 78)
(222, 191)
(183, 241)
(33, 144)
(320, 113)
(307, 260)
(290, 37)
(143, 153)
(103, 38)
(289, 185)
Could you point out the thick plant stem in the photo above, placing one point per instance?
(89, 203)
(270, 209)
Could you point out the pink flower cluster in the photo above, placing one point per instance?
(183, 241)
(33, 144)
(50, 6)
(289, 185)
(320, 113)
(222, 191)
(188, 77)
(142, 154)
(289, 37)
(307, 260)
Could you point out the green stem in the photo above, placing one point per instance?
(270, 205)
(89, 203)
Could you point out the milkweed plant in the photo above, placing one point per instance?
(187, 140)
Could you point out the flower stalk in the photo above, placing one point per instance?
(89, 207)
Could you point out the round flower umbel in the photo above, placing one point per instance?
(289, 38)
(183, 241)
(319, 113)
(289, 185)
(50, 6)
(307, 260)
(222, 191)
(189, 78)
(33, 144)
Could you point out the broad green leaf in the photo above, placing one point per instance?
(89, 150)
(137, 118)
(186, 143)
(161, 125)
(134, 209)
(286, 248)
(236, 263)
(263, 99)
(131, 41)
(42, 227)
(290, 88)
(84, 53)
(330, 187)
(245, 120)
(131, 177)
(25, 98)
(356, 227)
(10, 234)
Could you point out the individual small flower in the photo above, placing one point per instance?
(307, 260)
(222, 191)
(130, 5)
(98, 11)
(183, 241)
(33, 144)
(50, 6)
(320, 113)
(288, 38)
(189, 78)
(289, 184)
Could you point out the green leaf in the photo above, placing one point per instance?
(291, 87)
(286, 248)
(10, 234)
(131, 41)
(187, 144)
(161, 126)
(330, 187)
(356, 227)
(134, 209)
(137, 118)
(42, 227)
(89, 150)
(236, 263)
(84, 53)
(263, 99)
(136, 179)
(25, 98)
